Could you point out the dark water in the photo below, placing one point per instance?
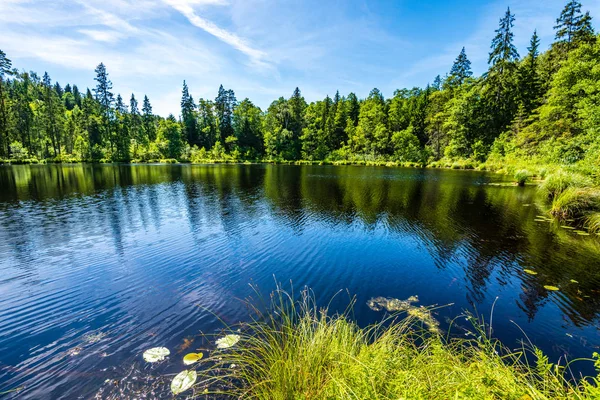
(99, 263)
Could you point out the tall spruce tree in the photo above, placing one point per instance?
(460, 71)
(573, 27)
(105, 98)
(224, 104)
(188, 116)
(149, 120)
(5, 69)
(504, 52)
(297, 106)
(529, 80)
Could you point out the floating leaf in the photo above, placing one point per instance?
(574, 281)
(227, 341)
(156, 354)
(530, 272)
(192, 358)
(552, 288)
(183, 381)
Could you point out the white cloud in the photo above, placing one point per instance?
(102, 35)
(185, 7)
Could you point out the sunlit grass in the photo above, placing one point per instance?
(299, 351)
(575, 202)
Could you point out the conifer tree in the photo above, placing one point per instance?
(460, 71)
(149, 120)
(224, 105)
(188, 107)
(529, 80)
(105, 98)
(5, 69)
(504, 52)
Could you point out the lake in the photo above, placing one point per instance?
(101, 262)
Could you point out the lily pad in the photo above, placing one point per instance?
(183, 381)
(192, 358)
(552, 288)
(227, 341)
(530, 272)
(156, 354)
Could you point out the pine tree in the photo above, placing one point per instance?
(572, 27)
(353, 108)
(224, 104)
(77, 95)
(122, 139)
(149, 120)
(105, 98)
(51, 113)
(460, 71)
(188, 107)
(137, 130)
(529, 80)
(5, 69)
(504, 51)
(297, 107)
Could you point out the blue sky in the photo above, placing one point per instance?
(262, 49)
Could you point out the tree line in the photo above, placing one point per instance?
(544, 105)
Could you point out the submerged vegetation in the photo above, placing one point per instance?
(298, 350)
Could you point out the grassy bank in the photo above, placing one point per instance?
(298, 351)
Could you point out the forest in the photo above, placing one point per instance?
(542, 107)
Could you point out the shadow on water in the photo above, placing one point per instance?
(100, 262)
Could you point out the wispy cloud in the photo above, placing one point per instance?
(185, 7)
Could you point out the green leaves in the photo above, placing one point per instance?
(156, 354)
(192, 358)
(183, 381)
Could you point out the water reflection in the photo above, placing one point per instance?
(127, 253)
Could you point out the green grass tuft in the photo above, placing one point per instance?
(522, 176)
(575, 202)
(299, 351)
(556, 183)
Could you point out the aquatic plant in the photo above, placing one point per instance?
(227, 341)
(183, 381)
(192, 358)
(295, 349)
(156, 354)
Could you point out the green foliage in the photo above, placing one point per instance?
(544, 108)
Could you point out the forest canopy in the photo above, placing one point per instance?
(542, 106)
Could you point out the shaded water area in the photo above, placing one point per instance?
(99, 263)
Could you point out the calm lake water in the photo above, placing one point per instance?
(100, 262)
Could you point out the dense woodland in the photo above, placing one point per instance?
(542, 106)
